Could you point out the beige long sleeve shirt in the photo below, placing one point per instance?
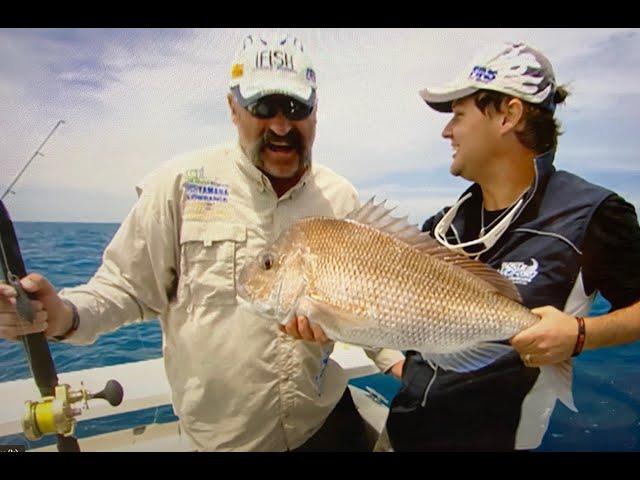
(237, 382)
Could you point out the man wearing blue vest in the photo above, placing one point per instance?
(558, 238)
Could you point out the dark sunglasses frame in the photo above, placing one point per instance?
(269, 106)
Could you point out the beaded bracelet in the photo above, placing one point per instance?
(580, 340)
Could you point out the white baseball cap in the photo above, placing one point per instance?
(274, 65)
(512, 68)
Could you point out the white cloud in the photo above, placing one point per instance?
(133, 99)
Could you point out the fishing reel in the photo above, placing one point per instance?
(56, 415)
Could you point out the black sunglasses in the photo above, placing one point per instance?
(269, 106)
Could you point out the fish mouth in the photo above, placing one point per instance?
(242, 292)
(246, 286)
(263, 308)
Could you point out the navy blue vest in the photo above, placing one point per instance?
(547, 233)
(540, 253)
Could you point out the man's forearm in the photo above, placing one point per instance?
(102, 308)
(615, 328)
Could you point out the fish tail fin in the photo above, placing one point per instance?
(560, 377)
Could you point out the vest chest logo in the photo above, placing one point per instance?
(519, 272)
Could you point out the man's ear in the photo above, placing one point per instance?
(233, 105)
(512, 114)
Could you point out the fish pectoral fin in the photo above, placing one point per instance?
(560, 378)
(321, 313)
(331, 319)
(474, 358)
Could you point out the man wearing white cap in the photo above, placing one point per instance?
(237, 381)
(558, 238)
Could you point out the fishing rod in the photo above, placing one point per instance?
(37, 152)
(53, 414)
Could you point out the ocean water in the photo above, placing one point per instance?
(606, 382)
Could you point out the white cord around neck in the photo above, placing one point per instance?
(483, 229)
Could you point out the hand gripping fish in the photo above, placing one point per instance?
(376, 281)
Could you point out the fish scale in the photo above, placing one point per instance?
(404, 289)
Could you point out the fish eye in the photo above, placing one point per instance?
(267, 260)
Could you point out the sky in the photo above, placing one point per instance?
(132, 99)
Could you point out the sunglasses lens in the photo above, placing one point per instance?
(268, 107)
(297, 110)
(262, 109)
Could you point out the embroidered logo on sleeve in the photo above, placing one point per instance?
(519, 272)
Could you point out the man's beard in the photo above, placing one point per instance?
(293, 138)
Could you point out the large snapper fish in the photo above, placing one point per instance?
(376, 281)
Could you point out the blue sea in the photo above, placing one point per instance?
(606, 382)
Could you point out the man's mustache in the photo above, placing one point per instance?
(292, 138)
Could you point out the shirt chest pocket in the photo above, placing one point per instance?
(209, 252)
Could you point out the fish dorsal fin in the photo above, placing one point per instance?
(379, 217)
